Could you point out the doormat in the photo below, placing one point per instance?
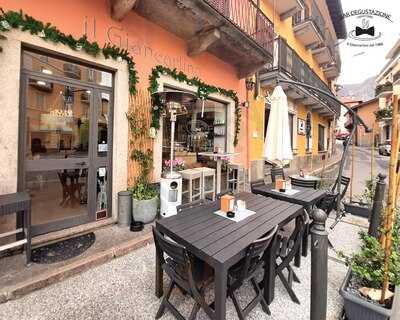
(63, 250)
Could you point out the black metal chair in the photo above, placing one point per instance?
(344, 185)
(247, 270)
(181, 269)
(277, 172)
(328, 202)
(257, 183)
(288, 247)
(304, 183)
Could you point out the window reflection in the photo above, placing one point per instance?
(53, 66)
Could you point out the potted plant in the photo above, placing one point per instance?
(144, 194)
(178, 165)
(362, 207)
(362, 286)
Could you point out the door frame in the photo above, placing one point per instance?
(94, 160)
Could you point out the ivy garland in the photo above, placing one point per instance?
(13, 19)
(203, 91)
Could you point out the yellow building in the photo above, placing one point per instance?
(305, 50)
(388, 83)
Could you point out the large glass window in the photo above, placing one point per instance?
(53, 66)
(196, 133)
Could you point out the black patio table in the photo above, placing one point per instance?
(306, 197)
(221, 242)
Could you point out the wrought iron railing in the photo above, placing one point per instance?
(312, 14)
(386, 87)
(248, 17)
(396, 76)
(290, 63)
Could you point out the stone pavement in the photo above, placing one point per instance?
(124, 289)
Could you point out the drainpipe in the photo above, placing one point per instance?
(248, 135)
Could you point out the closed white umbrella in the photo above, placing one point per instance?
(277, 146)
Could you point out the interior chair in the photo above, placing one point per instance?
(185, 274)
(247, 270)
(277, 172)
(304, 183)
(288, 246)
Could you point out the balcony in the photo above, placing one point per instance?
(331, 71)
(322, 54)
(396, 78)
(288, 65)
(309, 26)
(383, 90)
(287, 8)
(236, 31)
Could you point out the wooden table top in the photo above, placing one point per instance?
(220, 241)
(305, 196)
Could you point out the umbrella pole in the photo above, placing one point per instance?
(352, 171)
(372, 151)
(390, 213)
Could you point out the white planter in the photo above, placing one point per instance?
(144, 210)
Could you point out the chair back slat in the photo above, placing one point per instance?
(175, 251)
(344, 182)
(277, 172)
(257, 183)
(304, 183)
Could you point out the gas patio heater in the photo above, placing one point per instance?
(175, 103)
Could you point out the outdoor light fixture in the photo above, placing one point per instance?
(250, 84)
(40, 83)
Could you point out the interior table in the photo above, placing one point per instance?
(305, 197)
(221, 242)
(218, 157)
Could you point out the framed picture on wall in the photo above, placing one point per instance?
(301, 126)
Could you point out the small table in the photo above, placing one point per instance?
(20, 203)
(221, 242)
(306, 197)
(218, 157)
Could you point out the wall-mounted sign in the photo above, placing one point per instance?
(301, 126)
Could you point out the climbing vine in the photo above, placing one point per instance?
(203, 91)
(14, 20)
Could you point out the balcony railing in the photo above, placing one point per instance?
(386, 87)
(396, 77)
(291, 63)
(249, 18)
(314, 15)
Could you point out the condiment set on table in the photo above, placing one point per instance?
(234, 211)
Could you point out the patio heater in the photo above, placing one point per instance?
(175, 104)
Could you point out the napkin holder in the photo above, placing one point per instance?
(227, 203)
(280, 184)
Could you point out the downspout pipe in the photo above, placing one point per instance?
(356, 122)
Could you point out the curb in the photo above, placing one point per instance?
(74, 268)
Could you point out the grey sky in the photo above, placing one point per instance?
(359, 63)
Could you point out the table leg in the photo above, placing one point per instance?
(304, 249)
(269, 273)
(159, 275)
(219, 165)
(221, 279)
(27, 228)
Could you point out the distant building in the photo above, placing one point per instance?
(387, 83)
(366, 111)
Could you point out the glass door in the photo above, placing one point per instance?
(65, 153)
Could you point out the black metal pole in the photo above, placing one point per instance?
(377, 206)
(319, 266)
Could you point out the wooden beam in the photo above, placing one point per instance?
(120, 8)
(202, 41)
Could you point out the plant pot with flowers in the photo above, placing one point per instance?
(178, 164)
(144, 194)
(362, 286)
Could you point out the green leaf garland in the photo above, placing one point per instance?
(13, 19)
(203, 91)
